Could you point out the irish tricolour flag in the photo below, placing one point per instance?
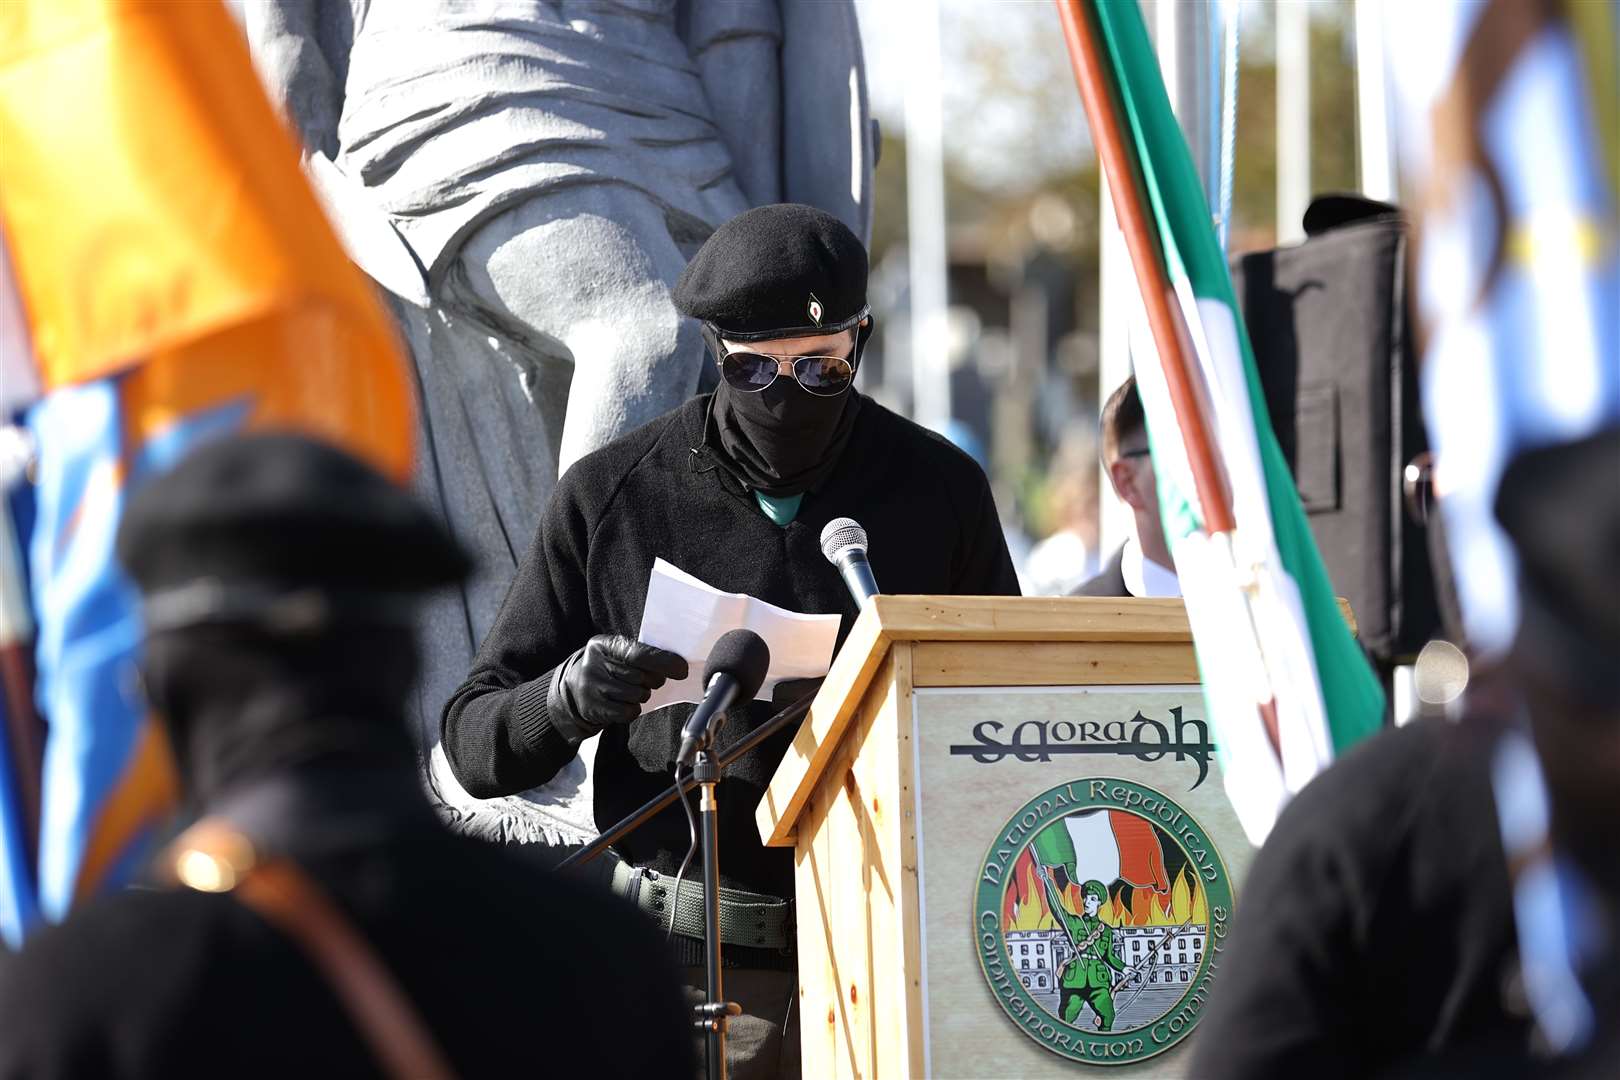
(1105, 846)
(1285, 683)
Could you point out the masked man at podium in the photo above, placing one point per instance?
(733, 488)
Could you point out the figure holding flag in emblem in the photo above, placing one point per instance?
(1086, 977)
(1093, 844)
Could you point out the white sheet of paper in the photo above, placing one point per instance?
(687, 616)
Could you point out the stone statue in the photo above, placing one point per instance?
(527, 179)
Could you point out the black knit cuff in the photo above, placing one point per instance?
(538, 737)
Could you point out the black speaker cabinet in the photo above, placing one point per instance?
(1327, 319)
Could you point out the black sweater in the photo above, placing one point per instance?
(659, 492)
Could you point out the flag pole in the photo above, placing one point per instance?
(1170, 333)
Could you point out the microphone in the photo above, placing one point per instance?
(843, 542)
(734, 672)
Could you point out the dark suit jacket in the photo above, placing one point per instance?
(1110, 581)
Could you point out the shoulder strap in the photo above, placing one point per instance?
(212, 856)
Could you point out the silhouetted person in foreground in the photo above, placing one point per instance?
(317, 920)
(1380, 937)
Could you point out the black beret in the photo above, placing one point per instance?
(1560, 506)
(278, 511)
(777, 271)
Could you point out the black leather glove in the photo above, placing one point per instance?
(605, 683)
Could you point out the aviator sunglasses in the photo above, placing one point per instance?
(750, 372)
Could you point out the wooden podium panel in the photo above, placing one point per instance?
(960, 751)
(974, 798)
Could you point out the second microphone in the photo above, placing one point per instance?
(734, 672)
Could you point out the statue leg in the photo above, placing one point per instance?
(486, 460)
(552, 333)
(591, 267)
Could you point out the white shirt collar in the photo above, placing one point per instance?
(1143, 576)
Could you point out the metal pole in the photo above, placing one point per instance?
(1375, 149)
(707, 774)
(925, 221)
(1293, 119)
(1184, 38)
(1226, 148)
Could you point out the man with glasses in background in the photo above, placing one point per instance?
(1142, 566)
(733, 488)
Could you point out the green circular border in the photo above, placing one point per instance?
(1216, 892)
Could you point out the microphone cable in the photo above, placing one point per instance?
(691, 850)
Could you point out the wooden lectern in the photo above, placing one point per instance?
(1015, 854)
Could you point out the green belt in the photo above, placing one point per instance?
(751, 920)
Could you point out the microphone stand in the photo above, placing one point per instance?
(715, 1011)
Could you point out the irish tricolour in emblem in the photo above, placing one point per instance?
(1099, 916)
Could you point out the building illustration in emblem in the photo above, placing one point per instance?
(1163, 961)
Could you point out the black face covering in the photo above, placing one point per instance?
(782, 440)
(238, 705)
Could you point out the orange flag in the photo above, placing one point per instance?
(158, 221)
(174, 269)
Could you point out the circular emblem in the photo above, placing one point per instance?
(1098, 914)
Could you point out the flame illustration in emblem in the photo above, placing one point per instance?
(1025, 902)
(814, 309)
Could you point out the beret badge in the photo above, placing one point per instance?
(813, 309)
